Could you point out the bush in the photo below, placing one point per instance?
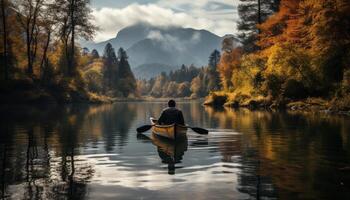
(294, 89)
(346, 82)
(215, 99)
(273, 85)
(94, 81)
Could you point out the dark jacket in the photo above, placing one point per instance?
(171, 116)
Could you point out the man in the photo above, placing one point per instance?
(171, 115)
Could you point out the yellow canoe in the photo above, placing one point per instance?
(173, 132)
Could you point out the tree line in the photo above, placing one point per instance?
(290, 50)
(39, 53)
(111, 74)
(188, 81)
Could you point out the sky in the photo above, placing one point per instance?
(217, 16)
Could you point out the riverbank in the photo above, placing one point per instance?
(336, 105)
(27, 91)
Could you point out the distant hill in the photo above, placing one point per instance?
(148, 71)
(165, 46)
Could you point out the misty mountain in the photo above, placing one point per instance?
(166, 46)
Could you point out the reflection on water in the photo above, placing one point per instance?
(170, 152)
(93, 152)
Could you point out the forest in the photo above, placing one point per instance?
(291, 53)
(41, 60)
(294, 54)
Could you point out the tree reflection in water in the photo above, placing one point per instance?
(55, 152)
(283, 154)
(31, 165)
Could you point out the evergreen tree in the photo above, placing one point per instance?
(252, 13)
(110, 69)
(212, 76)
(126, 79)
(95, 54)
(214, 59)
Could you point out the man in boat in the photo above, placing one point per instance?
(171, 115)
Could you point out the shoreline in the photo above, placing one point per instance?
(309, 105)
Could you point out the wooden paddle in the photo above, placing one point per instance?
(198, 130)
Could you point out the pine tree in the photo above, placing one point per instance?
(95, 54)
(252, 13)
(212, 76)
(110, 68)
(126, 79)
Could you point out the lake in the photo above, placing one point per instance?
(94, 152)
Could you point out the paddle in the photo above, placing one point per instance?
(144, 128)
(198, 130)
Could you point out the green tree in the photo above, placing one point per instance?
(212, 76)
(126, 79)
(95, 54)
(110, 69)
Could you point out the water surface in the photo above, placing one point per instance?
(94, 152)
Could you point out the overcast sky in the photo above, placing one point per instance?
(217, 16)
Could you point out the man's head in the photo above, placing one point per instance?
(171, 103)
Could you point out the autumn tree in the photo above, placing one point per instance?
(4, 34)
(284, 26)
(28, 13)
(75, 22)
(328, 39)
(183, 89)
(48, 25)
(198, 89)
(158, 85)
(229, 61)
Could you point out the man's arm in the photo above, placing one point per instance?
(161, 118)
(181, 118)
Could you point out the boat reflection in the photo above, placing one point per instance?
(170, 152)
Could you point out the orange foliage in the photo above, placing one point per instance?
(282, 26)
(228, 62)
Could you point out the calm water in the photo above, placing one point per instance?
(93, 152)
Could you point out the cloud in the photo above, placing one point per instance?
(169, 42)
(112, 20)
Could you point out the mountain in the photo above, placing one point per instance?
(165, 46)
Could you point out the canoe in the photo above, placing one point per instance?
(173, 131)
